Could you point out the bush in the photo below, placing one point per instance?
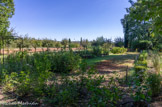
(154, 81)
(97, 51)
(25, 83)
(143, 56)
(64, 62)
(141, 66)
(85, 54)
(105, 51)
(117, 50)
(47, 61)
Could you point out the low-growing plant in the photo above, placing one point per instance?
(85, 90)
(141, 93)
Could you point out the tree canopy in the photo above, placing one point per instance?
(142, 23)
(6, 11)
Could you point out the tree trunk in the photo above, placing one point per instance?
(35, 49)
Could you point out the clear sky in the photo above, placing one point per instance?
(57, 19)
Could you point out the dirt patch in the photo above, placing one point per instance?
(109, 68)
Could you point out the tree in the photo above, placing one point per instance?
(26, 41)
(69, 44)
(85, 43)
(135, 30)
(99, 41)
(35, 43)
(47, 43)
(58, 45)
(143, 22)
(64, 42)
(119, 42)
(81, 41)
(19, 44)
(6, 11)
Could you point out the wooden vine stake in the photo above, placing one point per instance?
(126, 77)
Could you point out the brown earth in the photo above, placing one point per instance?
(31, 50)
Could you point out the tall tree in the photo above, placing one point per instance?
(148, 17)
(6, 11)
(64, 42)
(69, 44)
(136, 30)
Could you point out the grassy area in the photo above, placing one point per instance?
(98, 59)
(111, 57)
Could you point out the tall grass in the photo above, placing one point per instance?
(156, 62)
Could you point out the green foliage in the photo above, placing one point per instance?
(47, 43)
(85, 43)
(64, 62)
(141, 66)
(142, 24)
(35, 80)
(155, 84)
(144, 84)
(85, 54)
(144, 45)
(56, 62)
(74, 45)
(35, 43)
(119, 42)
(97, 51)
(117, 50)
(58, 45)
(141, 92)
(64, 42)
(6, 11)
(25, 83)
(106, 48)
(99, 41)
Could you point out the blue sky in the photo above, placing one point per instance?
(57, 19)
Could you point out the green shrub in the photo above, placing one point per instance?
(64, 62)
(142, 63)
(154, 81)
(25, 83)
(141, 66)
(141, 92)
(97, 51)
(117, 50)
(105, 52)
(85, 54)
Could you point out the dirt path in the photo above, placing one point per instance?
(117, 65)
